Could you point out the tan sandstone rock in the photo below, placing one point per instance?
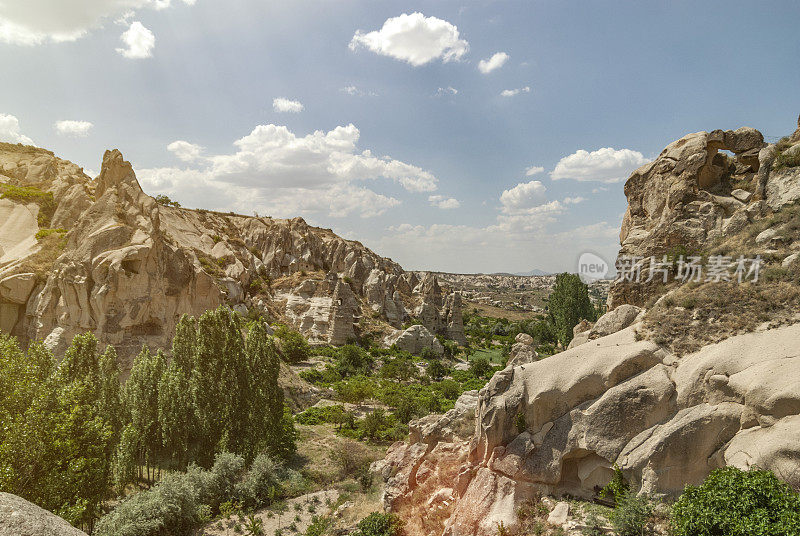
(19, 517)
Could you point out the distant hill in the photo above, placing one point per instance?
(535, 271)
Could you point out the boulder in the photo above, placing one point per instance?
(559, 515)
(614, 321)
(19, 517)
(17, 288)
(414, 340)
(741, 195)
(783, 187)
(522, 351)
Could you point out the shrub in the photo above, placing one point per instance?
(162, 199)
(437, 370)
(263, 482)
(44, 233)
(732, 502)
(322, 415)
(631, 516)
(480, 367)
(352, 360)
(293, 345)
(617, 488)
(378, 524)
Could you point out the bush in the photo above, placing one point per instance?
(322, 415)
(631, 516)
(352, 360)
(437, 370)
(162, 199)
(378, 524)
(264, 482)
(732, 502)
(480, 367)
(293, 345)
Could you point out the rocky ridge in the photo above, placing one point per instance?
(558, 425)
(111, 260)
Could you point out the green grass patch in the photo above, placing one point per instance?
(41, 234)
(27, 195)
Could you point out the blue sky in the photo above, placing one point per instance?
(390, 131)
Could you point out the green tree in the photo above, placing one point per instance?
(141, 408)
(293, 345)
(56, 448)
(568, 304)
(265, 404)
(352, 360)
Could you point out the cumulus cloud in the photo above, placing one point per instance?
(415, 39)
(497, 60)
(533, 170)
(9, 130)
(516, 91)
(574, 200)
(284, 105)
(33, 22)
(188, 152)
(523, 197)
(449, 90)
(603, 165)
(76, 129)
(139, 41)
(277, 171)
(444, 203)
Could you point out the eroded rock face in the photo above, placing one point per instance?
(423, 475)
(19, 517)
(666, 421)
(684, 198)
(131, 267)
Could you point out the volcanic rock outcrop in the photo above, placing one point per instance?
(667, 419)
(693, 194)
(100, 255)
(19, 517)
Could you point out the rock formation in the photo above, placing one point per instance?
(19, 517)
(441, 315)
(522, 351)
(558, 425)
(102, 256)
(415, 339)
(688, 197)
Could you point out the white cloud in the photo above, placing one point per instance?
(444, 203)
(275, 171)
(284, 105)
(523, 197)
(33, 22)
(516, 91)
(497, 60)
(449, 90)
(603, 165)
(356, 92)
(139, 41)
(76, 129)
(9, 130)
(415, 39)
(185, 151)
(533, 170)
(574, 200)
